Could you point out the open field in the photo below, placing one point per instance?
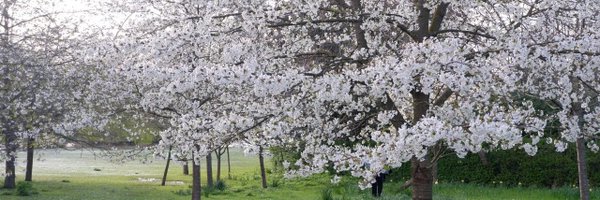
(67, 175)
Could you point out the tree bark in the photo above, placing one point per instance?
(10, 138)
(577, 109)
(218, 154)
(209, 177)
(164, 178)
(196, 185)
(359, 33)
(29, 168)
(422, 175)
(422, 180)
(434, 170)
(584, 187)
(11, 151)
(228, 164)
(483, 157)
(186, 168)
(263, 175)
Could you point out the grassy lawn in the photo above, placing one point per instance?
(79, 175)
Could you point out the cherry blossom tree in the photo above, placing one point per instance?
(401, 80)
(45, 76)
(370, 88)
(363, 85)
(171, 71)
(37, 77)
(559, 57)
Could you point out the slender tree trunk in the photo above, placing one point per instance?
(228, 164)
(434, 171)
(164, 178)
(584, 187)
(186, 168)
(209, 177)
(10, 138)
(483, 157)
(29, 168)
(218, 154)
(263, 175)
(11, 151)
(196, 185)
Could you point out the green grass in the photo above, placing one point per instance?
(80, 175)
(76, 175)
(460, 191)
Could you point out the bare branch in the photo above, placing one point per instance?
(443, 97)
(226, 15)
(464, 32)
(324, 21)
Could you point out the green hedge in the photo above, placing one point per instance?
(547, 168)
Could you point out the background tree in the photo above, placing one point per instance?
(560, 60)
(40, 77)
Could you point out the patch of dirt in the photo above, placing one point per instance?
(155, 180)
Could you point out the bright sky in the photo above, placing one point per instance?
(84, 12)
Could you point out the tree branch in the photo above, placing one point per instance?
(438, 17)
(588, 86)
(567, 51)
(443, 97)
(323, 21)
(464, 32)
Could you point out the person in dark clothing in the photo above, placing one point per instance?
(377, 187)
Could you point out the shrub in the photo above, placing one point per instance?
(220, 185)
(25, 188)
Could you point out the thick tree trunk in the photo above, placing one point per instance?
(422, 180)
(29, 168)
(11, 151)
(196, 187)
(228, 164)
(218, 154)
(422, 175)
(186, 168)
(209, 177)
(164, 178)
(584, 187)
(263, 175)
